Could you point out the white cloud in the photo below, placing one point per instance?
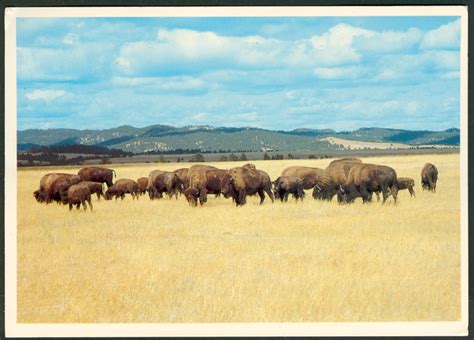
(164, 83)
(71, 39)
(445, 36)
(348, 72)
(46, 95)
(388, 41)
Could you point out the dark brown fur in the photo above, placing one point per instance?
(365, 179)
(142, 184)
(163, 181)
(54, 186)
(335, 175)
(429, 177)
(285, 185)
(94, 188)
(183, 176)
(97, 174)
(79, 194)
(121, 187)
(246, 181)
(406, 183)
(308, 175)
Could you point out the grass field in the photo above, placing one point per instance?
(164, 261)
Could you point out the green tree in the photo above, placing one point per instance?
(233, 157)
(105, 160)
(266, 157)
(223, 158)
(290, 156)
(243, 157)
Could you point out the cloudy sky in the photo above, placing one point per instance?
(278, 73)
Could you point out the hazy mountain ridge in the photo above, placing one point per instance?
(207, 138)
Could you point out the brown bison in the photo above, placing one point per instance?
(365, 179)
(202, 183)
(121, 187)
(163, 181)
(285, 185)
(245, 181)
(308, 175)
(335, 175)
(97, 174)
(54, 186)
(94, 188)
(183, 176)
(142, 184)
(78, 194)
(406, 183)
(429, 177)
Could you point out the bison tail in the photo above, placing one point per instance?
(113, 171)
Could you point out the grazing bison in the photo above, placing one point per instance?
(78, 194)
(54, 186)
(163, 181)
(97, 174)
(335, 175)
(309, 176)
(406, 183)
(183, 176)
(285, 185)
(94, 188)
(429, 177)
(202, 183)
(245, 181)
(121, 187)
(365, 179)
(142, 184)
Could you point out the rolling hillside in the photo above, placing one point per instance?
(156, 138)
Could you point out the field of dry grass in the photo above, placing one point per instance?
(164, 261)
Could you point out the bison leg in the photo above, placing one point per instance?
(84, 205)
(241, 200)
(378, 196)
(412, 191)
(202, 196)
(70, 206)
(262, 196)
(394, 192)
(90, 202)
(366, 195)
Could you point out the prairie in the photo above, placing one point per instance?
(164, 261)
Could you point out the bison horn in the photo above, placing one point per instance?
(318, 187)
(340, 187)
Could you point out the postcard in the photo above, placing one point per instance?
(213, 171)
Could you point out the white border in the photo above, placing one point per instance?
(13, 329)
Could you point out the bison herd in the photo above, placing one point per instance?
(347, 179)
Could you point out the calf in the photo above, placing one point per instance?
(78, 194)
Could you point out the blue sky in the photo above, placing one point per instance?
(277, 73)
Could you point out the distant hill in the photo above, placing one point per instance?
(164, 138)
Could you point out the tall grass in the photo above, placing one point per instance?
(164, 261)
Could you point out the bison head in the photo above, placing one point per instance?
(347, 193)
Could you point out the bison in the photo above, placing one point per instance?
(335, 175)
(285, 185)
(365, 179)
(94, 188)
(78, 194)
(406, 183)
(202, 183)
(121, 187)
(54, 186)
(245, 181)
(308, 175)
(97, 174)
(163, 181)
(142, 184)
(429, 177)
(183, 176)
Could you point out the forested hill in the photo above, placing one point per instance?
(163, 138)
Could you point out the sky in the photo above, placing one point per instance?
(279, 73)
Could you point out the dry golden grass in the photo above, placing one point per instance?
(164, 261)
